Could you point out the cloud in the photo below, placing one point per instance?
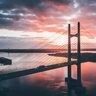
(9, 4)
(62, 1)
(6, 22)
(5, 4)
(27, 3)
(39, 11)
(25, 14)
(12, 42)
(46, 15)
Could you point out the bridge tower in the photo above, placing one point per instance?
(74, 84)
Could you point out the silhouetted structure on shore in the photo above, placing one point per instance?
(85, 57)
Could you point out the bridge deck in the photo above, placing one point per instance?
(35, 70)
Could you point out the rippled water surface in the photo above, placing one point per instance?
(48, 83)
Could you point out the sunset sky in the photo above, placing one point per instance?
(44, 24)
(32, 21)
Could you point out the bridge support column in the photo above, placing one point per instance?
(69, 60)
(79, 56)
(74, 84)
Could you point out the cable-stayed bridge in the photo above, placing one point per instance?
(79, 58)
(85, 57)
(34, 70)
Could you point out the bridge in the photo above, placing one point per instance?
(34, 70)
(85, 57)
(79, 58)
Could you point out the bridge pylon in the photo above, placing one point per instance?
(74, 84)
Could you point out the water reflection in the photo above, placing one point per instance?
(48, 83)
(27, 61)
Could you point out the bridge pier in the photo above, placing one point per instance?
(74, 84)
(69, 60)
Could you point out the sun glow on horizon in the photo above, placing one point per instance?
(59, 39)
(49, 38)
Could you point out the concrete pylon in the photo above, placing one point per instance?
(74, 84)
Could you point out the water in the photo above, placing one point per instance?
(48, 83)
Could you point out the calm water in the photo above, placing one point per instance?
(49, 83)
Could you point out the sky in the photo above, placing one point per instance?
(39, 19)
(33, 23)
